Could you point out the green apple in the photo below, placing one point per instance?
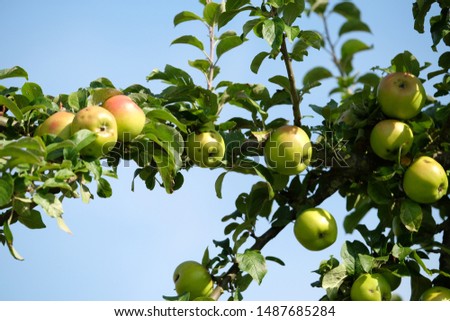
(388, 136)
(370, 287)
(288, 150)
(425, 180)
(315, 229)
(436, 293)
(129, 116)
(102, 123)
(193, 278)
(206, 149)
(57, 124)
(401, 95)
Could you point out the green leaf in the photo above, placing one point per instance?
(78, 100)
(348, 10)
(23, 151)
(227, 44)
(252, 262)
(259, 201)
(257, 61)
(351, 47)
(411, 215)
(165, 115)
(235, 4)
(14, 72)
(189, 40)
(86, 195)
(348, 50)
(353, 25)
(401, 252)
(281, 81)
(171, 75)
(104, 189)
(378, 192)
(232, 8)
(185, 16)
(211, 13)
(82, 138)
(32, 220)
(367, 262)
(9, 241)
(311, 38)
(102, 82)
(292, 11)
(406, 62)
(11, 105)
(100, 95)
(333, 279)
(420, 10)
(315, 75)
(272, 32)
(218, 184)
(275, 259)
(350, 256)
(6, 189)
(352, 220)
(49, 202)
(32, 91)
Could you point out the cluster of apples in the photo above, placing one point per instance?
(401, 96)
(119, 118)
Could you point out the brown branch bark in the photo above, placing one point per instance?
(295, 96)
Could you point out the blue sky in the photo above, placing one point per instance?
(126, 247)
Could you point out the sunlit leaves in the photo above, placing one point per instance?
(190, 40)
(253, 263)
(14, 72)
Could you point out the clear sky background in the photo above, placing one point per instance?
(126, 247)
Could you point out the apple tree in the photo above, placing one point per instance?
(382, 144)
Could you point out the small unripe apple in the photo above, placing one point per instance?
(401, 95)
(129, 116)
(315, 229)
(206, 149)
(193, 278)
(57, 124)
(101, 122)
(388, 136)
(288, 150)
(370, 287)
(436, 293)
(425, 181)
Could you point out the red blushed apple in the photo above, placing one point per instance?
(129, 116)
(57, 124)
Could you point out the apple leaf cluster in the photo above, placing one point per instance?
(183, 128)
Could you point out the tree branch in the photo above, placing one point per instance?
(295, 96)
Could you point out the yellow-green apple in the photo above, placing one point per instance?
(193, 278)
(101, 122)
(388, 136)
(57, 124)
(315, 229)
(370, 287)
(425, 180)
(129, 116)
(401, 95)
(436, 293)
(205, 149)
(288, 150)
